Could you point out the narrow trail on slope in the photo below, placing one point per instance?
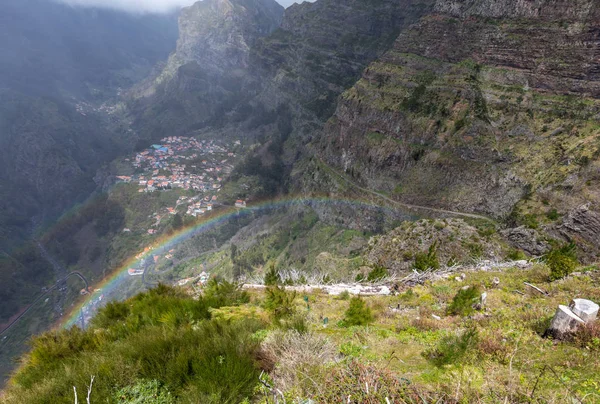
(407, 206)
(41, 296)
(59, 272)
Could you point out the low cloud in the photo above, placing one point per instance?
(147, 6)
(137, 6)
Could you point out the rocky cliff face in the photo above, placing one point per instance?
(481, 106)
(320, 50)
(208, 75)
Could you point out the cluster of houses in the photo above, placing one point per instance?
(199, 280)
(197, 205)
(181, 162)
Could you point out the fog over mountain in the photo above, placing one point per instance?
(146, 6)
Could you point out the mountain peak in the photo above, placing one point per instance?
(219, 33)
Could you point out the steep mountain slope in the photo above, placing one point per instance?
(508, 118)
(223, 75)
(208, 74)
(50, 48)
(321, 48)
(58, 64)
(54, 57)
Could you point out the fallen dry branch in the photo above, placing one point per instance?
(536, 288)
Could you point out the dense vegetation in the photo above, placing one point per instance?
(160, 340)
(166, 346)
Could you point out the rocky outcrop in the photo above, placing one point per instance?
(528, 240)
(453, 240)
(582, 224)
(551, 9)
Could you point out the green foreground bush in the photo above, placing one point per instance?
(561, 261)
(463, 301)
(358, 313)
(162, 340)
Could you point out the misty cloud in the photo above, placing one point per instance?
(137, 6)
(146, 6)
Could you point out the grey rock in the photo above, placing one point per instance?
(526, 239)
(582, 222)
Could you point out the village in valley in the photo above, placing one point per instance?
(185, 163)
(190, 173)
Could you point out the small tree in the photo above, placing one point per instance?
(177, 221)
(358, 313)
(561, 261)
(427, 260)
(279, 302)
(219, 292)
(377, 273)
(463, 301)
(272, 276)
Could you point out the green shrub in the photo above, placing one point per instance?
(272, 276)
(358, 313)
(475, 250)
(453, 349)
(218, 293)
(516, 255)
(530, 220)
(552, 215)
(279, 302)
(144, 392)
(486, 230)
(377, 273)
(427, 260)
(561, 261)
(297, 322)
(351, 350)
(345, 295)
(111, 313)
(463, 301)
(167, 343)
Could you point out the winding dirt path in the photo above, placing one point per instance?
(403, 205)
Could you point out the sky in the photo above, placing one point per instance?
(146, 6)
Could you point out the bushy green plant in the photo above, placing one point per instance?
(219, 292)
(453, 349)
(345, 295)
(552, 215)
(377, 273)
(144, 392)
(463, 301)
(530, 220)
(358, 313)
(516, 255)
(561, 261)
(272, 276)
(279, 302)
(167, 337)
(427, 260)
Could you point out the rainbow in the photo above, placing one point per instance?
(119, 275)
